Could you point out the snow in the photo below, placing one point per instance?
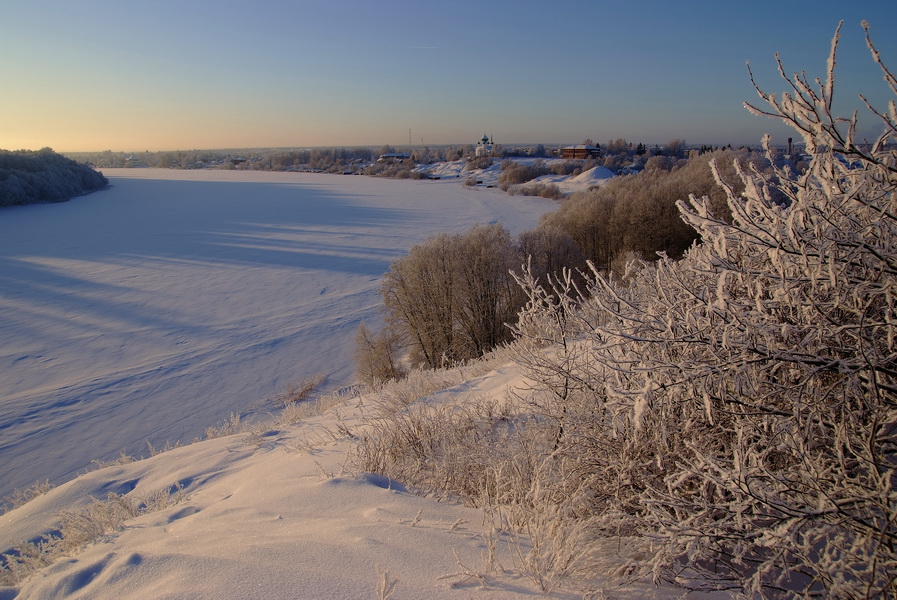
(455, 168)
(594, 176)
(175, 297)
(568, 184)
(488, 177)
(280, 517)
(265, 522)
(156, 308)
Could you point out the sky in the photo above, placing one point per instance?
(166, 75)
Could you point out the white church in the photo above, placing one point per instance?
(484, 147)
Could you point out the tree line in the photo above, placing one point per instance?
(31, 176)
(615, 154)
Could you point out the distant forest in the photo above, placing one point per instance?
(34, 176)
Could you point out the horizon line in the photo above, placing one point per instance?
(757, 144)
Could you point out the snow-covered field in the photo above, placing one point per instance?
(156, 308)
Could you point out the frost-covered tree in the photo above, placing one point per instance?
(736, 410)
(44, 176)
(451, 296)
(676, 147)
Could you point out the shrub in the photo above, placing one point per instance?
(514, 173)
(637, 213)
(735, 410)
(479, 162)
(21, 497)
(377, 356)
(300, 391)
(79, 528)
(545, 190)
(451, 296)
(549, 252)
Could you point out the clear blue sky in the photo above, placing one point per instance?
(216, 74)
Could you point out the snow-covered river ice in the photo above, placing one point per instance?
(156, 308)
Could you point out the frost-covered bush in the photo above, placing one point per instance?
(479, 162)
(79, 528)
(548, 251)
(44, 176)
(545, 190)
(451, 296)
(637, 213)
(515, 173)
(737, 410)
(378, 355)
(573, 167)
(21, 497)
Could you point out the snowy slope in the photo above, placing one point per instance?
(280, 520)
(488, 177)
(568, 184)
(596, 176)
(279, 516)
(154, 309)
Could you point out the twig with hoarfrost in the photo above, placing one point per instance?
(386, 584)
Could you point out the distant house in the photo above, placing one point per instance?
(580, 151)
(393, 156)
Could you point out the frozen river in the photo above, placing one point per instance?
(154, 309)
